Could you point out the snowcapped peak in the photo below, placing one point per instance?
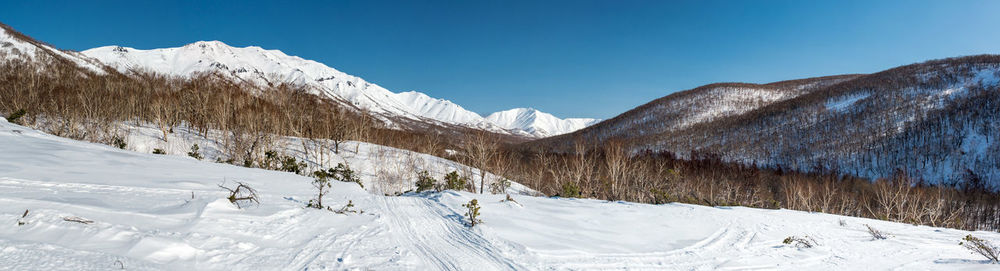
(261, 66)
(207, 44)
(440, 109)
(538, 123)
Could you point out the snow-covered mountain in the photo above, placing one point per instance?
(936, 121)
(259, 66)
(439, 109)
(14, 45)
(537, 123)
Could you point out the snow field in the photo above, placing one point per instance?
(165, 212)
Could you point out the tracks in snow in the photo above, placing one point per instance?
(438, 237)
(701, 255)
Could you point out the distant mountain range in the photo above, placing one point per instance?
(259, 66)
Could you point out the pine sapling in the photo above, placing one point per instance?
(473, 212)
(194, 153)
(342, 173)
(321, 182)
(425, 181)
(570, 190)
(118, 142)
(16, 116)
(455, 182)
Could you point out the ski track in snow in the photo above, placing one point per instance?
(439, 235)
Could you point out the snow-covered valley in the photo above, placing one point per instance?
(166, 212)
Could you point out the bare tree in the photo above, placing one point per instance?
(480, 150)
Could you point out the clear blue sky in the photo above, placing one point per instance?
(570, 58)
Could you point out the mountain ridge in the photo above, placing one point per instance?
(538, 123)
(934, 121)
(262, 66)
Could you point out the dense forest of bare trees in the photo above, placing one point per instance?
(611, 173)
(64, 100)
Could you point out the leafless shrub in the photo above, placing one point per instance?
(348, 208)
(77, 220)
(800, 242)
(242, 195)
(510, 199)
(981, 247)
(22, 221)
(499, 186)
(876, 234)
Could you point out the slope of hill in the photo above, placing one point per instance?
(14, 45)
(934, 120)
(537, 123)
(162, 212)
(687, 108)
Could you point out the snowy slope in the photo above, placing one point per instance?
(162, 212)
(260, 66)
(537, 123)
(257, 65)
(14, 45)
(439, 109)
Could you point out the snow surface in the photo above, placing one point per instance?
(842, 103)
(164, 212)
(537, 123)
(259, 66)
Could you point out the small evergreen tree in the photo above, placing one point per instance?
(194, 152)
(290, 164)
(570, 190)
(473, 212)
(16, 116)
(270, 160)
(118, 142)
(425, 182)
(455, 182)
(321, 182)
(274, 161)
(341, 173)
(159, 151)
